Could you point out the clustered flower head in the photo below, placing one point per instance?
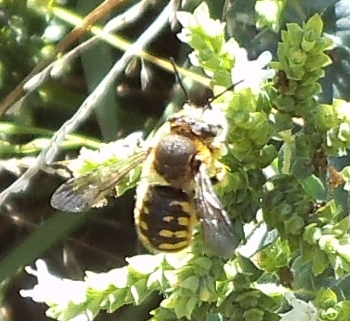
(225, 61)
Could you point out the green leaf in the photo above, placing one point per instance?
(320, 262)
(312, 234)
(316, 62)
(139, 291)
(344, 310)
(191, 283)
(181, 309)
(314, 27)
(249, 268)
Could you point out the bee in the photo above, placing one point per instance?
(175, 190)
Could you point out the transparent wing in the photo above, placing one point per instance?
(219, 238)
(80, 193)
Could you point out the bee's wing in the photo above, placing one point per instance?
(219, 237)
(80, 193)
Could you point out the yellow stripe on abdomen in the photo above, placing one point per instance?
(165, 218)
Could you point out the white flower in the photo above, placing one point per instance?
(120, 149)
(102, 281)
(53, 290)
(250, 74)
(199, 19)
(301, 311)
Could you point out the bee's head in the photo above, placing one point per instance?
(204, 123)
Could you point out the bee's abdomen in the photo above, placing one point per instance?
(165, 218)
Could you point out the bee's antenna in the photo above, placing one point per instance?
(210, 100)
(178, 79)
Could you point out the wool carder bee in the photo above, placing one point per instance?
(175, 190)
